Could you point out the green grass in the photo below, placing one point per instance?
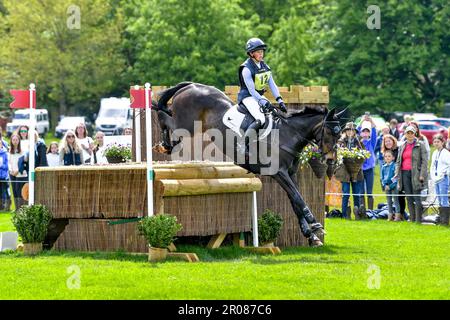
(413, 261)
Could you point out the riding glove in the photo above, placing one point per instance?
(268, 106)
(281, 104)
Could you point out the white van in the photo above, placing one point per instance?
(22, 118)
(114, 115)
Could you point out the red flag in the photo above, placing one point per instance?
(22, 99)
(137, 97)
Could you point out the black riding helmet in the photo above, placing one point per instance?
(254, 44)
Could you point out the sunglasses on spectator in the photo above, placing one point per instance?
(23, 131)
(70, 136)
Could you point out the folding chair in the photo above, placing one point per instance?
(431, 200)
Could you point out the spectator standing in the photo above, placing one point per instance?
(23, 133)
(53, 155)
(18, 178)
(99, 148)
(393, 131)
(4, 185)
(71, 152)
(377, 150)
(349, 140)
(389, 185)
(127, 132)
(390, 143)
(439, 171)
(85, 142)
(369, 140)
(412, 172)
(421, 138)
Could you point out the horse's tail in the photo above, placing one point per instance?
(167, 94)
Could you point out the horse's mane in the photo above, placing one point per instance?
(309, 110)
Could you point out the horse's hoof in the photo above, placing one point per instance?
(160, 148)
(314, 241)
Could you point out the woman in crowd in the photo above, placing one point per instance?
(349, 140)
(85, 142)
(23, 134)
(439, 171)
(99, 148)
(18, 179)
(422, 138)
(391, 143)
(71, 152)
(4, 185)
(369, 140)
(53, 154)
(412, 172)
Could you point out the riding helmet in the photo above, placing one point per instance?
(254, 44)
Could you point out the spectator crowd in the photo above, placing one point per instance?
(403, 159)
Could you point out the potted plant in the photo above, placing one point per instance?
(31, 222)
(352, 159)
(269, 227)
(117, 153)
(312, 155)
(159, 231)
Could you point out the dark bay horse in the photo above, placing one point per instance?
(197, 102)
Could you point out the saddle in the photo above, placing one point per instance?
(238, 119)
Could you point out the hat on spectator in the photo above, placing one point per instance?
(410, 128)
(366, 125)
(349, 126)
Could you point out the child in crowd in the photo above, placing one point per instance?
(390, 185)
(53, 155)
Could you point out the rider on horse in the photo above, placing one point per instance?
(254, 77)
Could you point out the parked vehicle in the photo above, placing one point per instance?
(114, 116)
(67, 123)
(445, 122)
(22, 117)
(428, 129)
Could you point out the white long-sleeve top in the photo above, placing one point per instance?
(440, 165)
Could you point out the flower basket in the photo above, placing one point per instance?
(115, 159)
(318, 167)
(353, 166)
(117, 153)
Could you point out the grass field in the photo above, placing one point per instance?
(361, 260)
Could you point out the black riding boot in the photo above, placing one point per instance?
(246, 139)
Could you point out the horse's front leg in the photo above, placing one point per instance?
(316, 227)
(298, 205)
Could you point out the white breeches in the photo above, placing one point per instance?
(253, 107)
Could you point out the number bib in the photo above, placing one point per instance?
(262, 80)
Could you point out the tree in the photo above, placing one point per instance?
(170, 41)
(404, 65)
(72, 65)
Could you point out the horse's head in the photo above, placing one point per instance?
(331, 129)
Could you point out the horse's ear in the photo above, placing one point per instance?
(331, 114)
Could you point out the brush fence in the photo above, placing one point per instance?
(207, 198)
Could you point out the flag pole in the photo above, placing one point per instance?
(31, 154)
(148, 129)
(137, 131)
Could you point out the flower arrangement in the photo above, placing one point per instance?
(353, 153)
(117, 152)
(310, 152)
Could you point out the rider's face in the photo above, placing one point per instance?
(258, 55)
